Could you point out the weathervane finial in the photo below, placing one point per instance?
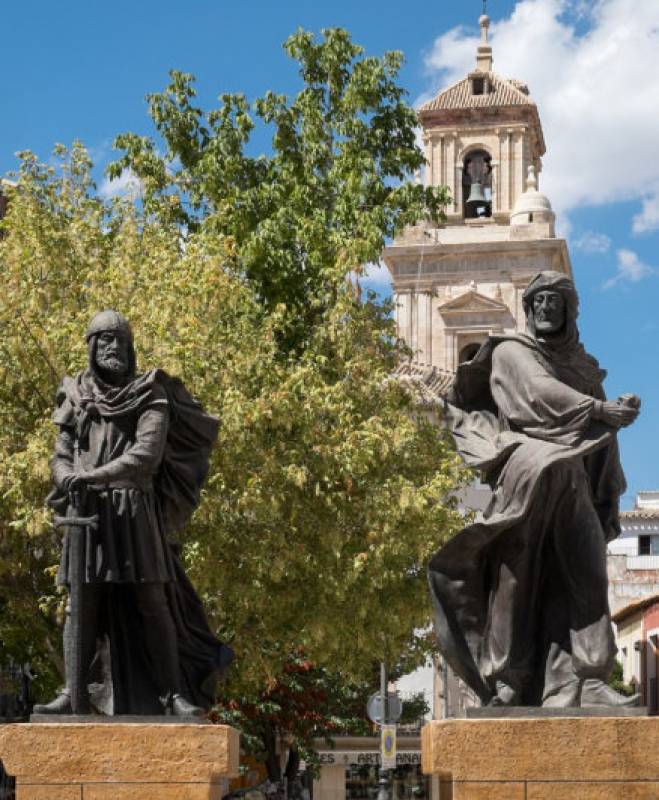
(484, 55)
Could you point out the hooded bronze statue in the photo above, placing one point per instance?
(136, 449)
(520, 595)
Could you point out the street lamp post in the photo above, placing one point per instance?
(383, 783)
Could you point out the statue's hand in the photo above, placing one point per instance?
(616, 413)
(75, 482)
(631, 400)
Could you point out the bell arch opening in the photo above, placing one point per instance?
(477, 184)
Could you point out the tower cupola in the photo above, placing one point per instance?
(484, 119)
(457, 282)
(533, 214)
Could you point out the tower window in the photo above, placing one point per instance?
(477, 185)
(478, 85)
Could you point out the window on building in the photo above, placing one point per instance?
(478, 85)
(477, 185)
(644, 544)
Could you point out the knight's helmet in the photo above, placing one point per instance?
(114, 322)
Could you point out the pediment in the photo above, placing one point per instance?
(473, 302)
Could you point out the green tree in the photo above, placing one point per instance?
(328, 492)
(305, 703)
(323, 203)
(617, 681)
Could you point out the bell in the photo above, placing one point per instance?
(476, 196)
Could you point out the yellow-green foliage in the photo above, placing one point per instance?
(326, 494)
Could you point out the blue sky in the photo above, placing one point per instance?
(77, 70)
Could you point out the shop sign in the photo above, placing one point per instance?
(365, 758)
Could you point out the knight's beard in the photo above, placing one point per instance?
(112, 367)
(547, 327)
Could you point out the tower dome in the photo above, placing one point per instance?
(533, 207)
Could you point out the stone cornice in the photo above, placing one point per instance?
(418, 267)
(487, 117)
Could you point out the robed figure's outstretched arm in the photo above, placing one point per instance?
(533, 401)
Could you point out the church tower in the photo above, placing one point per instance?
(457, 283)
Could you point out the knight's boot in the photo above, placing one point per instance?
(60, 705)
(176, 705)
(184, 708)
(506, 695)
(597, 694)
(565, 695)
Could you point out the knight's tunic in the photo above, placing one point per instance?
(121, 435)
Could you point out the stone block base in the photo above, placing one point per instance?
(121, 791)
(132, 761)
(602, 758)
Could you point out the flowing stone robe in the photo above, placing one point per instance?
(520, 595)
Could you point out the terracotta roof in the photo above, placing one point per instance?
(430, 384)
(503, 92)
(632, 608)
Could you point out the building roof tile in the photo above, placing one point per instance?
(503, 92)
(430, 384)
(635, 607)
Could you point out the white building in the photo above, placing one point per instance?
(633, 560)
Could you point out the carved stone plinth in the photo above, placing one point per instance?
(124, 761)
(600, 758)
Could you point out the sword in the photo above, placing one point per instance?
(76, 525)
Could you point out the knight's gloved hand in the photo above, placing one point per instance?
(74, 482)
(96, 476)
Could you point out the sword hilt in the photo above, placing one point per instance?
(77, 522)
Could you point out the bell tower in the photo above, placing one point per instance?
(456, 283)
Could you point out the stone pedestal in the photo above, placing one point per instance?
(601, 758)
(123, 761)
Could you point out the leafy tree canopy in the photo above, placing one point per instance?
(334, 188)
(327, 492)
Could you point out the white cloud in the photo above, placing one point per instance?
(592, 242)
(630, 269)
(126, 185)
(590, 68)
(647, 220)
(376, 277)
